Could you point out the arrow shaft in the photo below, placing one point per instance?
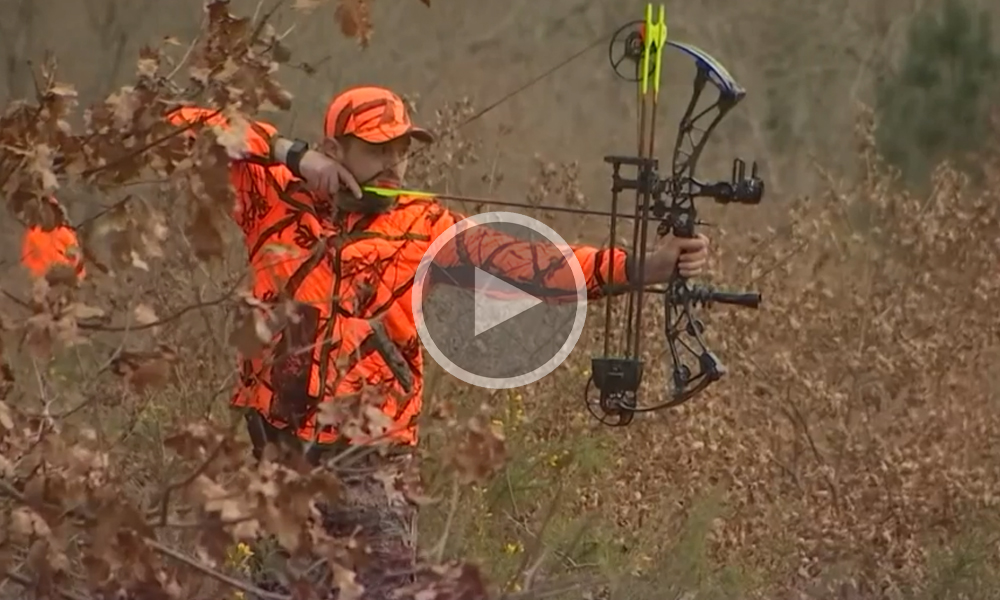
(496, 202)
(563, 209)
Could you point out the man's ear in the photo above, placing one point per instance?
(333, 148)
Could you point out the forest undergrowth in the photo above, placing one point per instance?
(848, 454)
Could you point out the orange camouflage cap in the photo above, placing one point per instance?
(374, 114)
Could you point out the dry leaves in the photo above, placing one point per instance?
(354, 19)
(142, 370)
(144, 314)
(478, 451)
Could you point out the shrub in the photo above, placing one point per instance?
(936, 104)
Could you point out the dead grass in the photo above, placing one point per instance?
(850, 450)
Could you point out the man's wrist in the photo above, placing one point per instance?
(652, 268)
(630, 268)
(289, 153)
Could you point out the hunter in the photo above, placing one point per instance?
(293, 196)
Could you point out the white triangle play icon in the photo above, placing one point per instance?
(498, 301)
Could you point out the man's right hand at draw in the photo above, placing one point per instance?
(327, 176)
(323, 174)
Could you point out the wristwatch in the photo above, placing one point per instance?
(294, 157)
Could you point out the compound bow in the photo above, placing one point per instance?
(668, 200)
(671, 201)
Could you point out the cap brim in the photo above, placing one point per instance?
(383, 135)
(422, 135)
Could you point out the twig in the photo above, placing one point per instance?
(287, 32)
(186, 481)
(148, 146)
(27, 584)
(221, 577)
(187, 53)
(553, 590)
(256, 11)
(163, 321)
(7, 489)
(255, 34)
(510, 492)
(566, 558)
(446, 532)
(523, 569)
(820, 459)
(780, 262)
(105, 210)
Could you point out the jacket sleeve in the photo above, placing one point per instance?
(251, 168)
(538, 268)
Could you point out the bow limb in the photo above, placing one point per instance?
(683, 330)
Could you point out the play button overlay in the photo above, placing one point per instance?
(486, 311)
(492, 308)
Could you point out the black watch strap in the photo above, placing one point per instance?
(294, 157)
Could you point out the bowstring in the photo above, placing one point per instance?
(502, 99)
(492, 106)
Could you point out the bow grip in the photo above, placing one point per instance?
(683, 226)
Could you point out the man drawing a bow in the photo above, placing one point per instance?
(348, 262)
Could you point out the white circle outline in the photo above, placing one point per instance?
(580, 318)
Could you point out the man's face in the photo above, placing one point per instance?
(382, 165)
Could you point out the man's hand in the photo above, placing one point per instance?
(323, 174)
(327, 176)
(688, 255)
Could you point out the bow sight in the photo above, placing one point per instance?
(670, 201)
